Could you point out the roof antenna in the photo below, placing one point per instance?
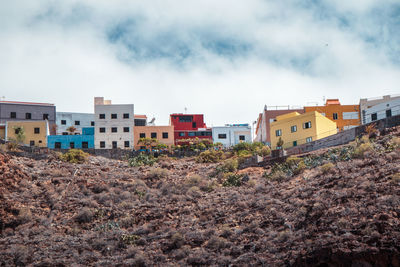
(323, 99)
(3, 97)
(185, 110)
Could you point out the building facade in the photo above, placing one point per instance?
(230, 135)
(295, 129)
(163, 134)
(114, 125)
(269, 114)
(381, 111)
(84, 140)
(35, 132)
(189, 126)
(368, 103)
(345, 116)
(140, 120)
(77, 120)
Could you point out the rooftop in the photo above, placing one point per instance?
(25, 103)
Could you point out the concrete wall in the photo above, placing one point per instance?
(39, 139)
(232, 134)
(380, 110)
(159, 130)
(120, 136)
(85, 120)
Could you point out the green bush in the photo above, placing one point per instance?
(232, 179)
(74, 156)
(142, 160)
(229, 165)
(210, 156)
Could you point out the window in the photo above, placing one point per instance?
(208, 133)
(36, 130)
(374, 116)
(278, 132)
(185, 118)
(194, 124)
(126, 129)
(165, 135)
(45, 116)
(92, 123)
(28, 116)
(350, 115)
(17, 130)
(65, 133)
(126, 144)
(114, 129)
(181, 134)
(307, 125)
(294, 143)
(32, 143)
(102, 144)
(71, 145)
(191, 134)
(114, 116)
(153, 135)
(40, 141)
(85, 145)
(77, 123)
(57, 145)
(309, 139)
(293, 128)
(126, 115)
(388, 113)
(114, 144)
(221, 136)
(142, 147)
(242, 137)
(140, 122)
(335, 116)
(13, 115)
(102, 129)
(142, 135)
(63, 122)
(102, 116)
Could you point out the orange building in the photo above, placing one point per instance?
(345, 116)
(164, 134)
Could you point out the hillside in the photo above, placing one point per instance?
(103, 212)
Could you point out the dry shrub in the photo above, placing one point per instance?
(84, 216)
(75, 156)
(157, 173)
(194, 180)
(327, 167)
(278, 176)
(210, 156)
(216, 243)
(194, 191)
(361, 149)
(24, 215)
(396, 178)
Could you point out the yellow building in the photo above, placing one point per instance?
(164, 135)
(35, 132)
(296, 129)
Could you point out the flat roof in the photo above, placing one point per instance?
(25, 103)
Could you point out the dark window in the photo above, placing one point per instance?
(28, 116)
(16, 131)
(32, 143)
(102, 144)
(126, 129)
(40, 141)
(63, 122)
(140, 122)
(221, 136)
(194, 124)
(142, 135)
(294, 143)
(126, 115)
(114, 144)
(153, 135)
(45, 116)
(142, 147)
(278, 132)
(388, 113)
(242, 137)
(85, 145)
(36, 130)
(71, 145)
(293, 128)
(181, 134)
(102, 129)
(191, 133)
(307, 125)
(208, 133)
(114, 129)
(65, 133)
(309, 139)
(114, 116)
(13, 115)
(374, 117)
(57, 145)
(77, 123)
(77, 133)
(92, 123)
(185, 118)
(126, 144)
(335, 116)
(102, 116)
(164, 135)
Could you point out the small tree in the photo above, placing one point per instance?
(19, 134)
(148, 142)
(71, 129)
(279, 144)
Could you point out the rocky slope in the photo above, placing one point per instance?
(104, 213)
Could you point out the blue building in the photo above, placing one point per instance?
(85, 140)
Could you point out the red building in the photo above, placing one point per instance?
(189, 126)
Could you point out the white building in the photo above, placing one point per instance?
(65, 120)
(230, 135)
(113, 125)
(381, 111)
(368, 103)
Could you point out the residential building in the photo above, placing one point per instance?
(164, 135)
(77, 120)
(368, 103)
(231, 134)
(35, 132)
(345, 116)
(140, 120)
(189, 126)
(269, 115)
(26, 111)
(381, 111)
(114, 125)
(296, 129)
(84, 140)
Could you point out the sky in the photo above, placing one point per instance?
(224, 59)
